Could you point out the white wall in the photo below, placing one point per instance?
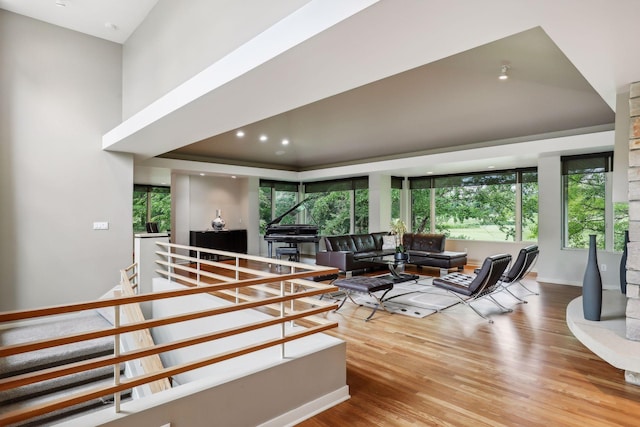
(60, 91)
(207, 195)
(179, 39)
(195, 200)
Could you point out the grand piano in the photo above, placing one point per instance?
(291, 234)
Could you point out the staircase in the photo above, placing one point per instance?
(42, 392)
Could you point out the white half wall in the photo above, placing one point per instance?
(60, 91)
(164, 51)
(260, 388)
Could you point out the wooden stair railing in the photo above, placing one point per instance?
(141, 338)
(155, 373)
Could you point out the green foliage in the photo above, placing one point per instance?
(151, 206)
(331, 212)
(585, 209)
(361, 211)
(620, 224)
(481, 205)
(265, 207)
(395, 202)
(420, 208)
(481, 212)
(139, 211)
(530, 211)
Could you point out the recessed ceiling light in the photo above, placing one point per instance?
(504, 72)
(201, 174)
(240, 133)
(263, 138)
(285, 142)
(429, 173)
(491, 167)
(233, 177)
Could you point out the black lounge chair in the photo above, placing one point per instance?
(483, 284)
(521, 267)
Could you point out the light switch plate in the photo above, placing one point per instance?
(101, 225)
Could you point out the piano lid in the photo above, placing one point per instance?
(298, 206)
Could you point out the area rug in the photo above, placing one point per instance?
(413, 299)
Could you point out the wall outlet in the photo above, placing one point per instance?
(101, 225)
(603, 267)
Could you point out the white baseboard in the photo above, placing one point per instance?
(309, 409)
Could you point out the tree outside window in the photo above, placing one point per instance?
(339, 206)
(529, 203)
(361, 211)
(478, 206)
(151, 204)
(276, 197)
(420, 209)
(330, 211)
(588, 208)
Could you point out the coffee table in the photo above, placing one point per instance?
(392, 263)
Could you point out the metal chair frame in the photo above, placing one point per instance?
(490, 285)
(527, 266)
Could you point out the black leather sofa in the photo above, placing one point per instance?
(348, 252)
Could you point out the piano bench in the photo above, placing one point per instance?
(291, 251)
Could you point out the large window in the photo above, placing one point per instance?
(276, 197)
(396, 191)
(339, 206)
(151, 204)
(336, 207)
(587, 203)
(420, 204)
(496, 206)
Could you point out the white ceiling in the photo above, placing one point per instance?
(93, 17)
(393, 81)
(455, 101)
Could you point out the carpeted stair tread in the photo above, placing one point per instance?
(57, 415)
(55, 384)
(60, 326)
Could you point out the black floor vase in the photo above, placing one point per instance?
(623, 265)
(592, 284)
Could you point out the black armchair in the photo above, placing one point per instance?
(483, 284)
(521, 267)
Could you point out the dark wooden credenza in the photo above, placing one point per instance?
(226, 240)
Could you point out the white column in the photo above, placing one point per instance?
(379, 202)
(145, 256)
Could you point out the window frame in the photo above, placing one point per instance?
(432, 183)
(150, 190)
(583, 164)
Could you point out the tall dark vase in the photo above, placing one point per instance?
(592, 284)
(623, 265)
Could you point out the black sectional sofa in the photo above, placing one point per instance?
(348, 252)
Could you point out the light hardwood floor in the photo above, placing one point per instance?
(455, 369)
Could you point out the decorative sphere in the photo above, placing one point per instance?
(218, 224)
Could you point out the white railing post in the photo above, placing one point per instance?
(237, 278)
(293, 270)
(198, 266)
(282, 314)
(169, 262)
(116, 352)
